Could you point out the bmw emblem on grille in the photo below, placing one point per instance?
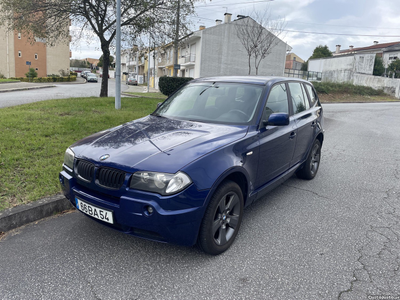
(104, 157)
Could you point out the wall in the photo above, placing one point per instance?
(28, 52)
(389, 85)
(7, 59)
(58, 58)
(342, 68)
(223, 54)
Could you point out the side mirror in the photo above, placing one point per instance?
(278, 119)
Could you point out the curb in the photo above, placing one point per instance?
(21, 215)
(27, 88)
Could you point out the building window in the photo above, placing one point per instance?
(36, 56)
(19, 35)
(19, 54)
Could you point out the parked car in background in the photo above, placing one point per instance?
(131, 80)
(185, 173)
(84, 74)
(90, 77)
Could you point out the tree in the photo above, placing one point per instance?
(32, 73)
(50, 19)
(257, 41)
(320, 52)
(304, 66)
(394, 68)
(77, 63)
(379, 69)
(100, 63)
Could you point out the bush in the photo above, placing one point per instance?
(345, 88)
(169, 85)
(32, 73)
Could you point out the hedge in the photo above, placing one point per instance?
(169, 85)
(46, 79)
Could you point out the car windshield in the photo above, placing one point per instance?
(231, 103)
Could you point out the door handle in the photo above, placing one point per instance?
(292, 135)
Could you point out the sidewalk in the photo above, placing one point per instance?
(138, 89)
(23, 86)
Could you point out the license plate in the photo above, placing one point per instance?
(93, 211)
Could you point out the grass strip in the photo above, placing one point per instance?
(35, 136)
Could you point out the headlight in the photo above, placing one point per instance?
(161, 183)
(69, 158)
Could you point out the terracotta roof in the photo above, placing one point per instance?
(375, 46)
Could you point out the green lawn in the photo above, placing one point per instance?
(149, 95)
(5, 80)
(34, 137)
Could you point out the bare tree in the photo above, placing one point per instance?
(49, 19)
(259, 36)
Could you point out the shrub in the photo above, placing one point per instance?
(345, 88)
(169, 85)
(32, 73)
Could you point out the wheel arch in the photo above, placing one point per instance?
(237, 175)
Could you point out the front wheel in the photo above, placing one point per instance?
(222, 219)
(311, 165)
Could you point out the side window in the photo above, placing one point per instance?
(277, 101)
(311, 93)
(299, 99)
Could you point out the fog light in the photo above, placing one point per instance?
(150, 210)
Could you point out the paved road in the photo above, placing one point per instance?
(60, 91)
(335, 237)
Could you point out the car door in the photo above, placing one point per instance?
(304, 120)
(276, 143)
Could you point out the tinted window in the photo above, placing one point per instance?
(277, 101)
(311, 93)
(299, 98)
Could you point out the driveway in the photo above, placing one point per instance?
(335, 237)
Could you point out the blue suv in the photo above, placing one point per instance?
(185, 173)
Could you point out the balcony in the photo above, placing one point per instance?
(188, 60)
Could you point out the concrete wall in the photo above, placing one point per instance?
(7, 59)
(58, 58)
(389, 85)
(223, 54)
(342, 68)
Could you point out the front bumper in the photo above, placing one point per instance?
(175, 219)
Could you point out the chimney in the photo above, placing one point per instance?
(241, 16)
(351, 48)
(228, 17)
(202, 27)
(217, 22)
(338, 48)
(376, 42)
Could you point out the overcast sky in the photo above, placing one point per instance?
(309, 23)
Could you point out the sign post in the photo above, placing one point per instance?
(28, 63)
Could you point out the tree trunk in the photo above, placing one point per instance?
(249, 64)
(106, 63)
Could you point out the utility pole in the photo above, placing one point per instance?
(118, 59)
(178, 11)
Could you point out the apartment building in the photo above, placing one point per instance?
(18, 54)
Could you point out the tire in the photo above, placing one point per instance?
(311, 165)
(222, 219)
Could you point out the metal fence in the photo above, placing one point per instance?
(307, 75)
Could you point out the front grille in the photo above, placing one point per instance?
(85, 170)
(110, 178)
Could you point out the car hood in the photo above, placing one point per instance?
(156, 143)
